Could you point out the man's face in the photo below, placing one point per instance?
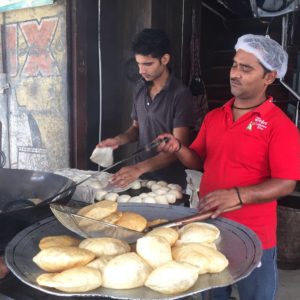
(247, 78)
(149, 67)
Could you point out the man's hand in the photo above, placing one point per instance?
(218, 201)
(125, 176)
(171, 146)
(3, 268)
(111, 142)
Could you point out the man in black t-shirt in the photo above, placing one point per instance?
(161, 104)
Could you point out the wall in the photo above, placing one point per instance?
(120, 21)
(34, 111)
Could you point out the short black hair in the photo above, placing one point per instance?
(150, 41)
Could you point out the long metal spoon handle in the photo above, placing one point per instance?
(190, 219)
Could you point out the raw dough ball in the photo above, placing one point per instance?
(95, 185)
(136, 185)
(155, 187)
(100, 194)
(177, 194)
(136, 199)
(171, 198)
(174, 186)
(162, 183)
(123, 198)
(111, 196)
(161, 191)
(144, 183)
(143, 195)
(152, 194)
(161, 199)
(149, 199)
(150, 183)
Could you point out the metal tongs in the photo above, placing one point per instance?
(146, 148)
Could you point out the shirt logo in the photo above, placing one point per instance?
(259, 123)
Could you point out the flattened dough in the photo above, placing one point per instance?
(103, 156)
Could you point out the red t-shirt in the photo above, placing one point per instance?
(262, 144)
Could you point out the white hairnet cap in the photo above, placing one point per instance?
(270, 54)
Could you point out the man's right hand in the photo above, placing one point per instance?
(111, 142)
(171, 146)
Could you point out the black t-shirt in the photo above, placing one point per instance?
(171, 108)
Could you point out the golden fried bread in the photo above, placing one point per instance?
(125, 271)
(133, 221)
(205, 258)
(198, 232)
(105, 246)
(56, 259)
(58, 240)
(113, 218)
(100, 262)
(74, 280)
(170, 234)
(97, 211)
(155, 250)
(156, 222)
(172, 278)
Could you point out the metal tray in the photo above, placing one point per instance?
(240, 245)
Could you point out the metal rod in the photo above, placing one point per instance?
(100, 74)
(297, 96)
(213, 11)
(290, 89)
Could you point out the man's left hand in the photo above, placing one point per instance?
(218, 201)
(125, 176)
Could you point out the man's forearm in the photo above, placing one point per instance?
(268, 190)
(189, 158)
(159, 161)
(129, 136)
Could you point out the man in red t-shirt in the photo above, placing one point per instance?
(249, 152)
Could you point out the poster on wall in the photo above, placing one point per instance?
(7, 5)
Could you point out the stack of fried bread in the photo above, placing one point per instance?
(166, 260)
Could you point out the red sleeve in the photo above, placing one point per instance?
(199, 143)
(284, 152)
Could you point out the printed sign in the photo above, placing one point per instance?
(6, 5)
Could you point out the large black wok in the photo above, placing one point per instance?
(23, 199)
